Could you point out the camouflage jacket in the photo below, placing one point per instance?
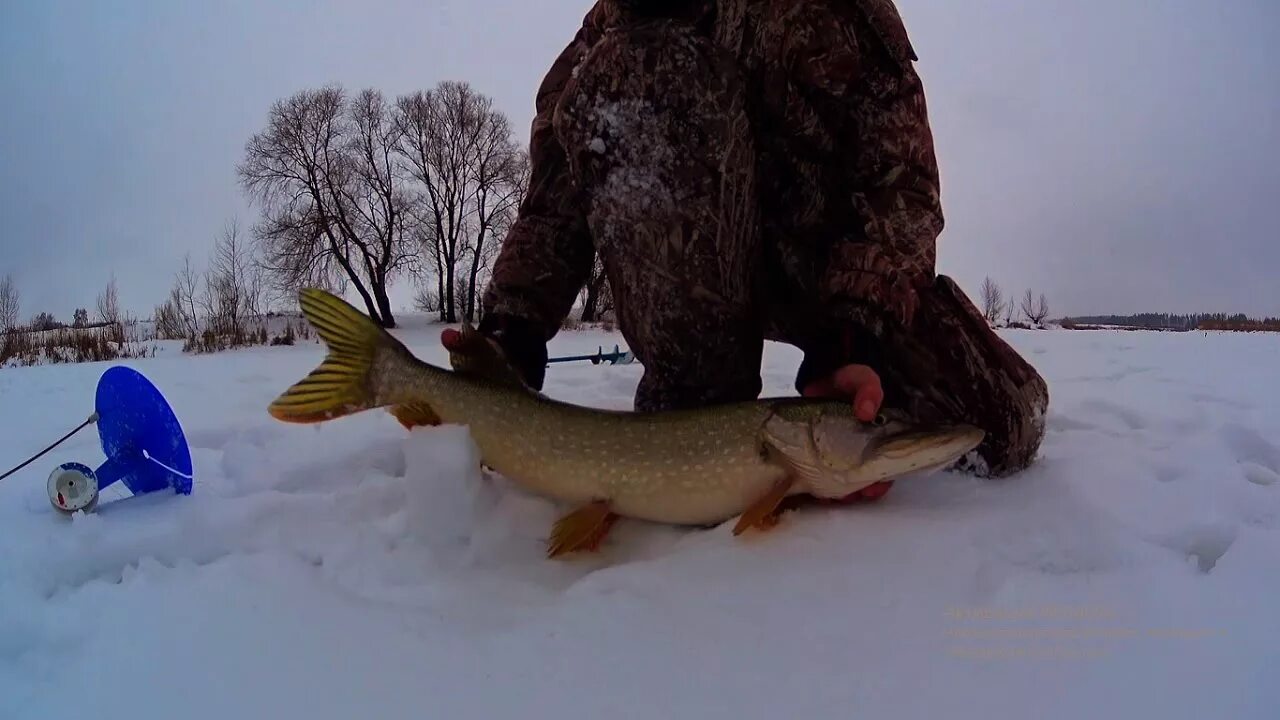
(849, 171)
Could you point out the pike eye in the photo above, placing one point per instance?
(879, 420)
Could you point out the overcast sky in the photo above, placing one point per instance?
(1120, 156)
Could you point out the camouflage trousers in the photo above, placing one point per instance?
(656, 130)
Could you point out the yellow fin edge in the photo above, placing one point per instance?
(341, 384)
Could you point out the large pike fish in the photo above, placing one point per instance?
(685, 467)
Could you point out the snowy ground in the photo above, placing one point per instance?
(352, 570)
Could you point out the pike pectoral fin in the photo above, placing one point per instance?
(762, 514)
(414, 415)
(581, 530)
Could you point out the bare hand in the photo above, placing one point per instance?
(451, 339)
(471, 345)
(472, 352)
(858, 382)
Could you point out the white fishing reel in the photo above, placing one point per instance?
(73, 487)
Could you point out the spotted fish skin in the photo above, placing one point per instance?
(685, 467)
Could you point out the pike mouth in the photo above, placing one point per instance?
(926, 450)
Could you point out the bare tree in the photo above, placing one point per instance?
(233, 287)
(332, 196)
(80, 318)
(500, 176)
(1036, 310)
(598, 300)
(44, 321)
(9, 303)
(168, 319)
(426, 299)
(1041, 310)
(186, 288)
(433, 149)
(109, 303)
(471, 175)
(378, 197)
(992, 300)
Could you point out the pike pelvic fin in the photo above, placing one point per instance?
(581, 530)
(763, 515)
(342, 383)
(415, 415)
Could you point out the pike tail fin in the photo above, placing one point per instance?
(343, 383)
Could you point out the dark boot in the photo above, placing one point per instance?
(951, 365)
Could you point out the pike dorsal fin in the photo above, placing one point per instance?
(481, 358)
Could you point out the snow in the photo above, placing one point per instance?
(355, 570)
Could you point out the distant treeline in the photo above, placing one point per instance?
(1168, 321)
